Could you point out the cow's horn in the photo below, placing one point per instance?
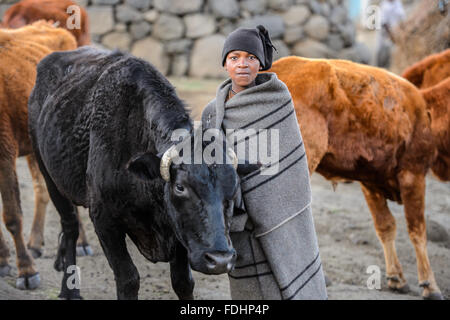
(233, 157)
(166, 161)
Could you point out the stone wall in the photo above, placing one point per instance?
(185, 37)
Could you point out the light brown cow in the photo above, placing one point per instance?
(20, 52)
(20, 14)
(429, 71)
(365, 124)
(58, 11)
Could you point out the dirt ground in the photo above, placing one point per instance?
(347, 240)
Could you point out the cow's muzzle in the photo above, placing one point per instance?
(218, 262)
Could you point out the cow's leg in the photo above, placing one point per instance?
(385, 228)
(40, 204)
(412, 190)
(83, 247)
(112, 240)
(4, 255)
(41, 200)
(66, 257)
(28, 278)
(180, 274)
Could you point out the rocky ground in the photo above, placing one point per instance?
(347, 240)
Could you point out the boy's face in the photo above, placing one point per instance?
(242, 67)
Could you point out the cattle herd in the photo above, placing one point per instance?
(95, 126)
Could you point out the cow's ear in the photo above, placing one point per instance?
(145, 166)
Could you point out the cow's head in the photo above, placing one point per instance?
(199, 200)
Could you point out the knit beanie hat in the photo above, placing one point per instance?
(254, 41)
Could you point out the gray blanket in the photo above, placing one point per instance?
(278, 254)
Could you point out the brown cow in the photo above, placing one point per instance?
(18, 15)
(365, 124)
(429, 71)
(20, 52)
(29, 11)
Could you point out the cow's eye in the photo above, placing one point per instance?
(179, 188)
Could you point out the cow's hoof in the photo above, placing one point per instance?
(4, 270)
(402, 290)
(187, 297)
(434, 296)
(79, 298)
(70, 295)
(397, 284)
(84, 250)
(36, 253)
(63, 297)
(28, 282)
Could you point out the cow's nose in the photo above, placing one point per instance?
(220, 261)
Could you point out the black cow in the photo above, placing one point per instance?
(100, 122)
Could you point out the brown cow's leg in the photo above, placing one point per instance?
(41, 200)
(40, 204)
(385, 227)
(4, 255)
(412, 189)
(12, 216)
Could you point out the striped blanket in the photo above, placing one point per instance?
(274, 236)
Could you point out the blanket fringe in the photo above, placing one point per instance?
(282, 222)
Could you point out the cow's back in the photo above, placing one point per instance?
(429, 71)
(60, 114)
(18, 61)
(91, 110)
(376, 121)
(45, 34)
(387, 119)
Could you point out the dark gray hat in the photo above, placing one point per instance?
(255, 41)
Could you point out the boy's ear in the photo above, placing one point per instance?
(145, 166)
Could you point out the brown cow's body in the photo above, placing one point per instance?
(28, 11)
(20, 52)
(365, 124)
(430, 71)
